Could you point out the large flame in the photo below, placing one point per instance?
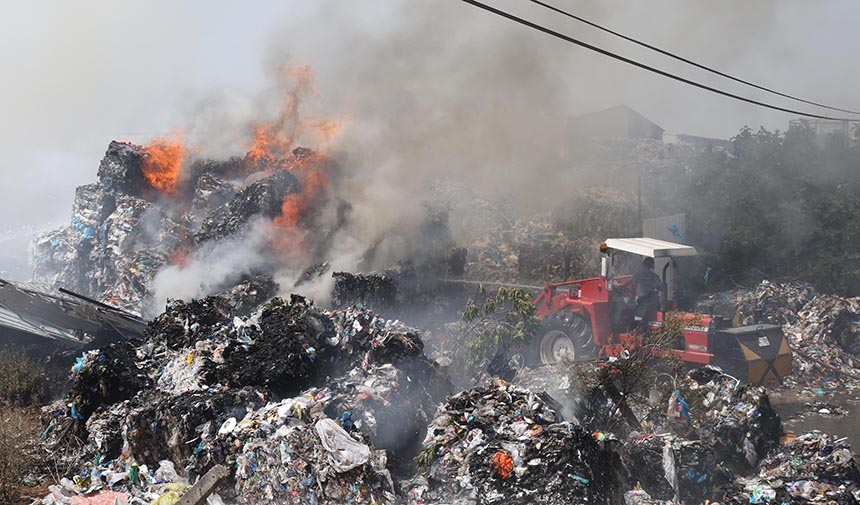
(162, 163)
(314, 182)
(275, 139)
(273, 146)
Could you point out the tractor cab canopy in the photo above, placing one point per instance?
(663, 252)
(650, 247)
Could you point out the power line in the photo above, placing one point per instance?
(685, 60)
(644, 66)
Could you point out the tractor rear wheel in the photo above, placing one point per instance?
(570, 340)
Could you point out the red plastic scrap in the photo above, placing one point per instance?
(101, 498)
(502, 464)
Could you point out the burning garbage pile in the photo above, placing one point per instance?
(823, 330)
(160, 205)
(133, 223)
(300, 403)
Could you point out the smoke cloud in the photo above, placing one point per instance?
(426, 91)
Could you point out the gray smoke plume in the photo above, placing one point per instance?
(425, 90)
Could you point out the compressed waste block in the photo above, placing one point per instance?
(210, 192)
(170, 426)
(247, 295)
(104, 377)
(120, 169)
(376, 290)
(262, 198)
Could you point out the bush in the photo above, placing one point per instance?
(491, 323)
(17, 435)
(22, 381)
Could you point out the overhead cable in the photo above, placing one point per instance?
(643, 66)
(686, 60)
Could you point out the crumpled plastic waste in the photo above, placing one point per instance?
(344, 452)
(501, 444)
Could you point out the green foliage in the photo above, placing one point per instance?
(506, 318)
(782, 205)
(21, 380)
(274, 303)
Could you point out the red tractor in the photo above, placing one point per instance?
(593, 318)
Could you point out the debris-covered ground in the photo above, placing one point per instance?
(304, 405)
(308, 405)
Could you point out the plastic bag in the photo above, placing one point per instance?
(344, 452)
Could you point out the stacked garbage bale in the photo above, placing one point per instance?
(124, 230)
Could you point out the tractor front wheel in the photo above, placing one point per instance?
(570, 340)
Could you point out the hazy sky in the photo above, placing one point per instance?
(78, 74)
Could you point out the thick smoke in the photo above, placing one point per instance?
(445, 93)
(213, 267)
(426, 91)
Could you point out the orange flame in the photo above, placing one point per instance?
(162, 163)
(295, 207)
(273, 147)
(274, 140)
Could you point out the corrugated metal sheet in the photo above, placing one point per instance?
(62, 319)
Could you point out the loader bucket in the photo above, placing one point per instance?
(756, 354)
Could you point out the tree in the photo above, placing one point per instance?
(490, 322)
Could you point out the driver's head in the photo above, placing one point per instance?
(648, 263)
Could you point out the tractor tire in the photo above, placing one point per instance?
(564, 340)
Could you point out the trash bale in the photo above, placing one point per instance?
(503, 444)
(376, 290)
(746, 431)
(288, 453)
(104, 377)
(812, 468)
(54, 258)
(210, 193)
(91, 207)
(181, 323)
(391, 406)
(120, 169)
(169, 427)
(262, 198)
(249, 294)
(106, 431)
(644, 457)
(555, 380)
(700, 472)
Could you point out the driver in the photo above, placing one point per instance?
(648, 287)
